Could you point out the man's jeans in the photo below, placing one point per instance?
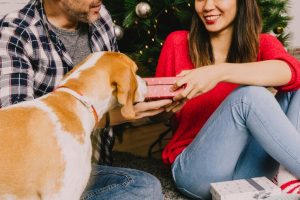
(245, 137)
(119, 183)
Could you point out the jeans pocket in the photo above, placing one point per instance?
(102, 182)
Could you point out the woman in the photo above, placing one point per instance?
(227, 130)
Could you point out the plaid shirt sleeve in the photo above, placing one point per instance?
(16, 72)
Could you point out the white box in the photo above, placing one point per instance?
(244, 189)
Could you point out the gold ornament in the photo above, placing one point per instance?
(143, 9)
(278, 30)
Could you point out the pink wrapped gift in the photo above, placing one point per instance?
(159, 88)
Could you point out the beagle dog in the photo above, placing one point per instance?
(45, 147)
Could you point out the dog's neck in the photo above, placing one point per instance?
(83, 100)
(96, 106)
(91, 86)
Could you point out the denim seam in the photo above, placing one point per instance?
(240, 158)
(274, 139)
(190, 193)
(112, 186)
(213, 120)
(297, 125)
(98, 191)
(232, 104)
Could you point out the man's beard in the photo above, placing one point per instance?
(82, 16)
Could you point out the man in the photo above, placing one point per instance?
(39, 44)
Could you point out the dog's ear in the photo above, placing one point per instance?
(126, 84)
(125, 96)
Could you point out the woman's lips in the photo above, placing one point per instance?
(211, 19)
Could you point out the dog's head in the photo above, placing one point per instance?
(129, 88)
(108, 79)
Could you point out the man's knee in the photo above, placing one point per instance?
(146, 185)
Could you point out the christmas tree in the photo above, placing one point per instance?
(142, 26)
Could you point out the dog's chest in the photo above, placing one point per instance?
(77, 165)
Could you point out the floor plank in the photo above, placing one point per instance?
(137, 139)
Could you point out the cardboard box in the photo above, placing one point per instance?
(244, 189)
(159, 88)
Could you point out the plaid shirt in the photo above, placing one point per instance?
(33, 59)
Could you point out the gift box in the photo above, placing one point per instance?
(159, 88)
(244, 189)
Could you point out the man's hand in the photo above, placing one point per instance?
(151, 108)
(142, 109)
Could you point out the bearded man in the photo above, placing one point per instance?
(39, 44)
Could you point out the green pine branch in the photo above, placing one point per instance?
(143, 37)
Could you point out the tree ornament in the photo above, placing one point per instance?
(278, 30)
(119, 31)
(143, 9)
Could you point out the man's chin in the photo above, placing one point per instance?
(93, 18)
(89, 19)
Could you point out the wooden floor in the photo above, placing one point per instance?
(138, 138)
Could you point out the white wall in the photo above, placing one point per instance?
(294, 25)
(11, 5)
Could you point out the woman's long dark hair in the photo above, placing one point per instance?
(247, 26)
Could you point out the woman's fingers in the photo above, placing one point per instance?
(195, 92)
(183, 94)
(173, 105)
(184, 72)
(176, 106)
(179, 83)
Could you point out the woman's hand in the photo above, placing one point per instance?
(197, 81)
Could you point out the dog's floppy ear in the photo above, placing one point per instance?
(126, 99)
(126, 84)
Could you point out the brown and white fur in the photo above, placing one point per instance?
(45, 147)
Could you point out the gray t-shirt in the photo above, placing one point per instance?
(75, 41)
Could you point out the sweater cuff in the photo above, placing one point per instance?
(292, 84)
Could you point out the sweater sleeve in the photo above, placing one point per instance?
(272, 49)
(174, 56)
(165, 66)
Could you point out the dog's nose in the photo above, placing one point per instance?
(141, 90)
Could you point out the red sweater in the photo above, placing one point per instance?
(175, 57)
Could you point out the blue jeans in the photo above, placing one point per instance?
(247, 136)
(111, 183)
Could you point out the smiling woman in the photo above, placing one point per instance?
(211, 12)
(224, 131)
(32, 72)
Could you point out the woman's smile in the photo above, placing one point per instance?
(211, 19)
